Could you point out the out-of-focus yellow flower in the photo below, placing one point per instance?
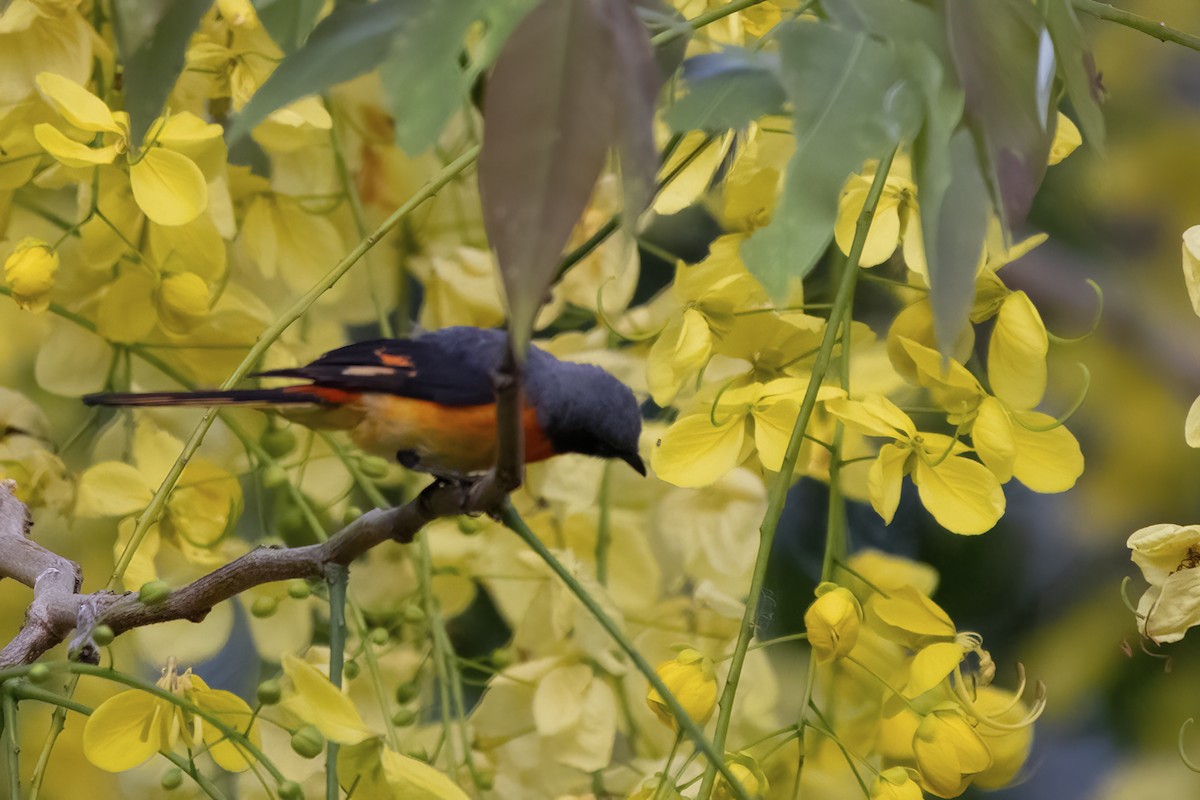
(1066, 139)
(962, 495)
(691, 678)
(748, 773)
(1168, 556)
(1009, 746)
(748, 193)
(379, 773)
(29, 271)
(896, 783)
(833, 621)
(908, 616)
(318, 702)
(286, 240)
(949, 751)
(167, 180)
(462, 287)
(128, 728)
(41, 36)
(896, 216)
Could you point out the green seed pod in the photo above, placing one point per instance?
(298, 589)
(405, 692)
(468, 525)
(274, 476)
(374, 466)
(308, 742)
(269, 692)
(172, 779)
(103, 635)
(290, 790)
(404, 717)
(278, 442)
(38, 673)
(502, 658)
(264, 606)
(413, 614)
(379, 636)
(153, 592)
(351, 670)
(351, 514)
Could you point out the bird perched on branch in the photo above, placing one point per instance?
(430, 403)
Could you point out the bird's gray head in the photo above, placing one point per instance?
(583, 409)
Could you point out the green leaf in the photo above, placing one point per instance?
(849, 106)
(153, 41)
(1005, 66)
(1077, 65)
(954, 227)
(554, 106)
(640, 78)
(288, 21)
(352, 40)
(726, 90)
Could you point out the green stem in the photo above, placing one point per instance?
(700, 20)
(12, 748)
(337, 576)
(604, 527)
(267, 338)
(777, 494)
(1158, 30)
(432, 614)
(512, 520)
(58, 721)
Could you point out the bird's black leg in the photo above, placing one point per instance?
(410, 460)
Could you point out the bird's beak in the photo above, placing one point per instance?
(635, 461)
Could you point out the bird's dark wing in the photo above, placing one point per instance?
(451, 367)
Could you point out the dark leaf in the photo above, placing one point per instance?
(659, 17)
(850, 105)
(639, 80)
(1005, 70)
(352, 40)
(727, 90)
(153, 41)
(1078, 69)
(550, 115)
(288, 21)
(424, 77)
(954, 229)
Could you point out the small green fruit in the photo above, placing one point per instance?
(153, 592)
(269, 692)
(308, 742)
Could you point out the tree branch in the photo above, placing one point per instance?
(59, 608)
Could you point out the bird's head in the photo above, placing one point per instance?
(583, 409)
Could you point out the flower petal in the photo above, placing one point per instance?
(168, 186)
(112, 489)
(693, 452)
(885, 479)
(77, 105)
(70, 152)
(318, 702)
(1046, 460)
(124, 730)
(1016, 363)
(963, 495)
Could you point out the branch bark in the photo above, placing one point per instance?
(58, 607)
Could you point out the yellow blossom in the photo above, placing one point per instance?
(1009, 746)
(896, 216)
(962, 495)
(949, 751)
(41, 36)
(378, 772)
(29, 271)
(748, 773)
(895, 783)
(691, 679)
(130, 727)
(832, 622)
(318, 702)
(1168, 556)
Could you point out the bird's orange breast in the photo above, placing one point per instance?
(451, 438)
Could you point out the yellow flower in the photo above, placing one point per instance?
(833, 621)
(462, 287)
(29, 271)
(896, 216)
(895, 783)
(167, 180)
(379, 773)
(1168, 556)
(691, 679)
(1066, 139)
(748, 193)
(708, 294)
(747, 772)
(41, 36)
(128, 728)
(318, 702)
(1009, 747)
(962, 495)
(949, 751)
(698, 449)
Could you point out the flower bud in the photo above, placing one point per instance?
(183, 300)
(278, 442)
(895, 784)
(172, 779)
(274, 476)
(39, 673)
(404, 717)
(833, 622)
(949, 751)
(29, 271)
(308, 742)
(351, 670)
(269, 692)
(290, 790)
(748, 774)
(153, 592)
(264, 606)
(103, 635)
(298, 589)
(691, 679)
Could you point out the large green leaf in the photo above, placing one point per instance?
(352, 40)
(1077, 65)
(153, 41)
(288, 21)
(640, 78)
(424, 77)
(849, 100)
(725, 90)
(556, 102)
(1005, 66)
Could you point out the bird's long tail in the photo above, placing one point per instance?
(285, 396)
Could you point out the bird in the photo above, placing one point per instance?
(429, 402)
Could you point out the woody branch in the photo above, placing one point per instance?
(58, 607)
